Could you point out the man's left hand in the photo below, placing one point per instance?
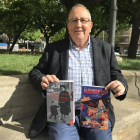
(117, 87)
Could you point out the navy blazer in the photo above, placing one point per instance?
(55, 61)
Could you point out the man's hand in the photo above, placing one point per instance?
(117, 87)
(47, 79)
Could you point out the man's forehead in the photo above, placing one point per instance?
(77, 11)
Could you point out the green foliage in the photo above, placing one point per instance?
(15, 16)
(100, 16)
(58, 35)
(50, 17)
(29, 15)
(31, 35)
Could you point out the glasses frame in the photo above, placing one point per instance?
(76, 21)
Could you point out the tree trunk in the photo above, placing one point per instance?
(9, 42)
(134, 38)
(47, 40)
(14, 42)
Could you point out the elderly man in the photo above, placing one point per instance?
(87, 61)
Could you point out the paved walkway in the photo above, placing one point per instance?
(13, 92)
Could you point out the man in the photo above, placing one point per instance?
(87, 61)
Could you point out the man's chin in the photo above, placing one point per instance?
(80, 38)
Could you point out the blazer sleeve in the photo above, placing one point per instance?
(40, 70)
(116, 73)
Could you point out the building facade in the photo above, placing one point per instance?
(122, 39)
(125, 40)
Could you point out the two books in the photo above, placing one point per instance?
(94, 111)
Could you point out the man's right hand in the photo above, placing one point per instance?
(47, 79)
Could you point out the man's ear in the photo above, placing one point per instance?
(67, 25)
(91, 25)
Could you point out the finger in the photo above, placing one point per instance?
(44, 85)
(117, 89)
(45, 80)
(55, 78)
(121, 92)
(49, 78)
(110, 85)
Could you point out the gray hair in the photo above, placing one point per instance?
(79, 5)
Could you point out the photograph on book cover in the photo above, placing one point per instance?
(94, 112)
(60, 102)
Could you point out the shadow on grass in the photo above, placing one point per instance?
(131, 66)
(5, 72)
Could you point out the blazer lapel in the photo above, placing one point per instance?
(64, 55)
(96, 60)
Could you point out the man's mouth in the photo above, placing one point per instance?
(79, 31)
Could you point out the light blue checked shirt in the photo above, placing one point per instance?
(80, 69)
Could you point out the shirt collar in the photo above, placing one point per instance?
(87, 46)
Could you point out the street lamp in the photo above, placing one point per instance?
(112, 22)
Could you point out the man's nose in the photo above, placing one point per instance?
(78, 23)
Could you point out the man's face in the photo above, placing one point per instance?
(79, 31)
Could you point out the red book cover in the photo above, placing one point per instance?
(94, 112)
(60, 102)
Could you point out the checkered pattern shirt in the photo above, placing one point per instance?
(80, 69)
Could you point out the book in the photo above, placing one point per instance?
(60, 102)
(94, 111)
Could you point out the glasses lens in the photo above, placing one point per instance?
(75, 20)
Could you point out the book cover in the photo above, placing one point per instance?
(60, 102)
(94, 112)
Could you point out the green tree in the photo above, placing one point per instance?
(31, 35)
(100, 16)
(100, 11)
(49, 17)
(69, 3)
(58, 35)
(130, 9)
(5, 27)
(16, 15)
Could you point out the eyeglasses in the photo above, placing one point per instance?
(74, 21)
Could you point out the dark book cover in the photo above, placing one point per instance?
(94, 112)
(60, 102)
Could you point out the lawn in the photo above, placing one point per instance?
(130, 64)
(12, 64)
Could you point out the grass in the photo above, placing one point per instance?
(13, 64)
(129, 64)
